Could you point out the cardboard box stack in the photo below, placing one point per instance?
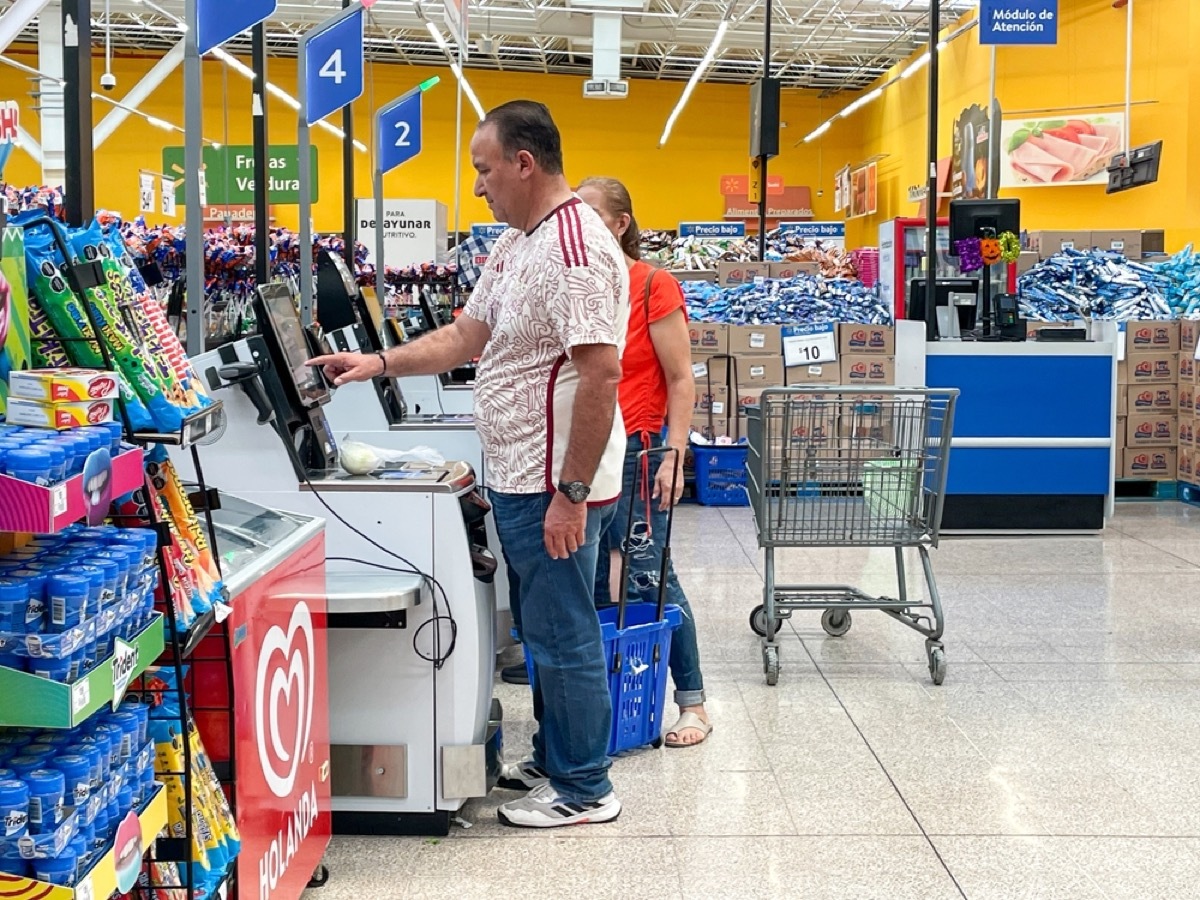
(1155, 411)
(734, 364)
(1189, 411)
(1132, 243)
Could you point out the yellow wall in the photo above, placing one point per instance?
(681, 182)
(618, 138)
(1086, 67)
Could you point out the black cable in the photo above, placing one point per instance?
(437, 617)
(438, 658)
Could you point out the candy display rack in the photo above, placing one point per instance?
(165, 639)
(32, 702)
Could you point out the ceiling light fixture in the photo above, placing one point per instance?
(436, 33)
(697, 74)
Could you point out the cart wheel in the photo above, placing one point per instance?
(836, 622)
(657, 742)
(937, 665)
(320, 877)
(758, 621)
(771, 665)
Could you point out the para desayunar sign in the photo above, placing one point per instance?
(1018, 22)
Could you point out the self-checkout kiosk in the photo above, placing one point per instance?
(410, 583)
(386, 412)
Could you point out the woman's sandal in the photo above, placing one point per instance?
(688, 720)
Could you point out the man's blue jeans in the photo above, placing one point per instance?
(555, 616)
(645, 566)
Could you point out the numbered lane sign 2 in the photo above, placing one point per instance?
(333, 58)
(399, 130)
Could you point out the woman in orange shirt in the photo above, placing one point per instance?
(656, 388)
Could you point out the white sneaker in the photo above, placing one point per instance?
(544, 808)
(522, 776)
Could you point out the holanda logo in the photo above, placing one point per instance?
(283, 700)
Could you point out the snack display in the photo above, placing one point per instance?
(804, 299)
(64, 598)
(63, 794)
(1096, 284)
(696, 254)
(1182, 290)
(215, 841)
(194, 580)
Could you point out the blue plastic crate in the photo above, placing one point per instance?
(637, 674)
(721, 475)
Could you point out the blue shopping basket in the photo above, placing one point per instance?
(637, 647)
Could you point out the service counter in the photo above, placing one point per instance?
(1033, 443)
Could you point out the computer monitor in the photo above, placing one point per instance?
(1133, 169)
(976, 218)
(960, 293)
(279, 323)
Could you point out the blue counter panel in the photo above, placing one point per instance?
(984, 470)
(1027, 396)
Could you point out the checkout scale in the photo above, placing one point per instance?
(414, 729)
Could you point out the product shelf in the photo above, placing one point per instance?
(26, 507)
(101, 881)
(27, 701)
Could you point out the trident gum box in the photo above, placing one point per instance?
(63, 385)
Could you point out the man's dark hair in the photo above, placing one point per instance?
(527, 125)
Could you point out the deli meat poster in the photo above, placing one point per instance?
(1059, 150)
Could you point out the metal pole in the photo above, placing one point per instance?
(193, 126)
(377, 252)
(79, 184)
(762, 160)
(458, 136)
(931, 203)
(1128, 74)
(994, 128)
(348, 210)
(304, 142)
(262, 150)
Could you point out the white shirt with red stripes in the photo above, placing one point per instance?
(560, 286)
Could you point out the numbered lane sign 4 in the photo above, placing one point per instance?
(333, 59)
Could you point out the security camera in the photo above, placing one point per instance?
(108, 81)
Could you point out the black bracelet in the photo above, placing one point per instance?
(382, 359)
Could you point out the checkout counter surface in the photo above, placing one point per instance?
(1033, 434)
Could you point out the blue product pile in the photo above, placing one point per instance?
(1093, 284)
(1183, 291)
(793, 301)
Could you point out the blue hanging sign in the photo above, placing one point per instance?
(219, 20)
(1018, 22)
(488, 232)
(333, 59)
(400, 131)
(712, 229)
(816, 230)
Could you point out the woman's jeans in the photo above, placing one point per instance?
(555, 616)
(645, 565)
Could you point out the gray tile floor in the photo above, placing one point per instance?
(1057, 761)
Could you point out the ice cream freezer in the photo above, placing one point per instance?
(267, 665)
(1034, 435)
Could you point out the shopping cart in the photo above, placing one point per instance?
(849, 467)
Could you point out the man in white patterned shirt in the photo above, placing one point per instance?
(548, 321)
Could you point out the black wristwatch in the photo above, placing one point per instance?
(576, 491)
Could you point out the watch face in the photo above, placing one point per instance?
(576, 491)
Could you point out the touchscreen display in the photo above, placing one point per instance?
(289, 335)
